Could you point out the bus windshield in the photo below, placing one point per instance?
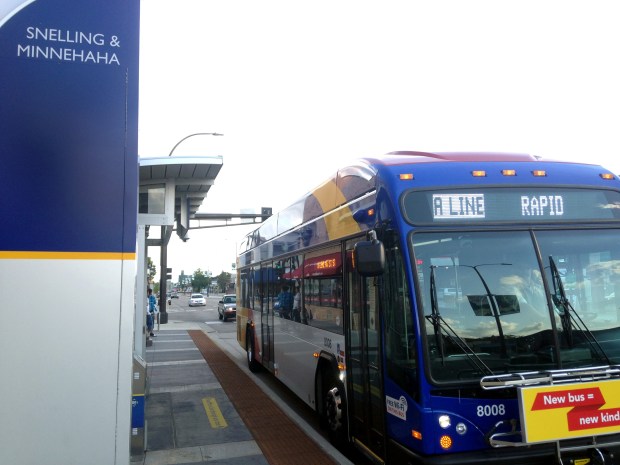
(491, 304)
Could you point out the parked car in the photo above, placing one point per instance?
(227, 307)
(197, 299)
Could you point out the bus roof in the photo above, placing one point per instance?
(359, 178)
(401, 157)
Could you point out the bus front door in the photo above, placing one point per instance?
(365, 390)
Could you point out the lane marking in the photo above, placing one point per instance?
(172, 350)
(178, 362)
(214, 414)
(163, 340)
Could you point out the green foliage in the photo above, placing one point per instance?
(200, 280)
(151, 270)
(223, 279)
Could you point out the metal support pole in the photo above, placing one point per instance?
(163, 283)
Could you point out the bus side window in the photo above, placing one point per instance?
(399, 332)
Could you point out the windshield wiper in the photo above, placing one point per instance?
(568, 315)
(434, 317)
(440, 325)
(492, 303)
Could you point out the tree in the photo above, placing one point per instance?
(200, 280)
(223, 280)
(151, 271)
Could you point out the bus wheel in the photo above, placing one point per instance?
(253, 365)
(335, 413)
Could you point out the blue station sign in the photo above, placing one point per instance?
(68, 125)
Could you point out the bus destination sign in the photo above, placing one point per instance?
(464, 206)
(511, 204)
(454, 206)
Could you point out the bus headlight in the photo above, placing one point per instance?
(461, 428)
(444, 421)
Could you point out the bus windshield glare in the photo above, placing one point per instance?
(492, 305)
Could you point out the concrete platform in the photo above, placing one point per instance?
(203, 408)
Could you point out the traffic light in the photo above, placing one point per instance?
(168, 273)
(265, 212)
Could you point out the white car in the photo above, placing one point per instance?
(197, 299)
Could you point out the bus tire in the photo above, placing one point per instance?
(335, 411)
(253, 365)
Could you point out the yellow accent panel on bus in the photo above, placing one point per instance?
(339, 223)
(329, 196)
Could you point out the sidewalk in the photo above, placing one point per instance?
(202, 408)
(183, 398)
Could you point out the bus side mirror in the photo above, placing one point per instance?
(369, 258)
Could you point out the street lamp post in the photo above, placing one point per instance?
(192, 135)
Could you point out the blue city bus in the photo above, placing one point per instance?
(446, 308)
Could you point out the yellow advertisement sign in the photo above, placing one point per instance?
(550, 413)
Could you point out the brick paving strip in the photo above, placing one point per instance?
(282, 441)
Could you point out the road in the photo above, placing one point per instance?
(225, 335)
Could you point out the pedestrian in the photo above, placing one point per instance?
(152, 308)
(297, 305)
(285, 299)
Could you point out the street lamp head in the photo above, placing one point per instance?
(192, 135)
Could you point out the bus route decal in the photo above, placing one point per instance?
(554, 412)
(396, 407)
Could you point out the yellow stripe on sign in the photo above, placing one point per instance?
(35, 255)
(214, 414)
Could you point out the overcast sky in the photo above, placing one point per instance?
(300, 88)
